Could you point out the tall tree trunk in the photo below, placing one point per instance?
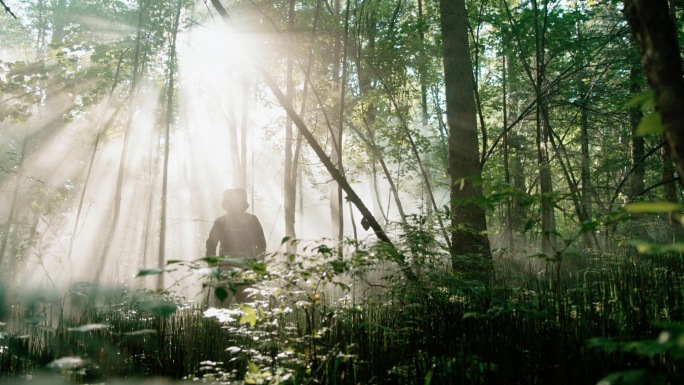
(548, 216)
(470, 245)
(42, 30)
(668, 179)
(296, 169)
(506, 154)
(59, 13)
(585, 209)
(519, 211)
(336, 217)
(167, 138)
(289, 183)
(9, 223)
(422, 78)
(422, 68)
(243, 132)
(585, 176)
(636, 185)
(656, 34)
(670, 189)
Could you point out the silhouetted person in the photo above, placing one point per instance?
(237, 234)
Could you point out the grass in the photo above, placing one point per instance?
(603, 314)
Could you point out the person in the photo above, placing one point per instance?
(237, 234)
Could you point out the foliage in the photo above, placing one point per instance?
(347, 315)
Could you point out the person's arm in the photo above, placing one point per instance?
(214, 237)
(259, 239)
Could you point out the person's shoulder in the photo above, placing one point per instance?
(221, 219)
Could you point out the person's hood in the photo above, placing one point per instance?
(235, 200)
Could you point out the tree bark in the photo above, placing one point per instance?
(13, 206)
(289, 185)
(656, 34)
(636, 185)
(470, 245)
(167, 146)
(336, 221)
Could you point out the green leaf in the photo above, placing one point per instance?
(641, 246)
(652, 207)
(259, 268)
(645, 247)
(252, 368)
(145, 272)
(339, 266)
(221, 293)
(650, 124)
(646, 97)
(588, 226)
(243, 263)
(428, 377)
(248, 316)
(211, 260)
(625, 378)
(285, 240)
(471, 314)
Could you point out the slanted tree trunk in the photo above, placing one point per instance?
(470, 245)
(363, 53)
(323, 157)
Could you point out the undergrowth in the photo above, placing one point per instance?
(350, 315)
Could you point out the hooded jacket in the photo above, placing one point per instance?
(239, 234)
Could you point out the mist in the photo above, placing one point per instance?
(65, 156)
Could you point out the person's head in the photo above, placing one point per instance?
(235, 200)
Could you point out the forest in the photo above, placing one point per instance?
(450, 191)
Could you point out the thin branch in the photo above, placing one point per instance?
(7, 9)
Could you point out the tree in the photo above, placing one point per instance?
(656, 35)
(311, 140)
(470, 245)
(168, 123)
(289, 174)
